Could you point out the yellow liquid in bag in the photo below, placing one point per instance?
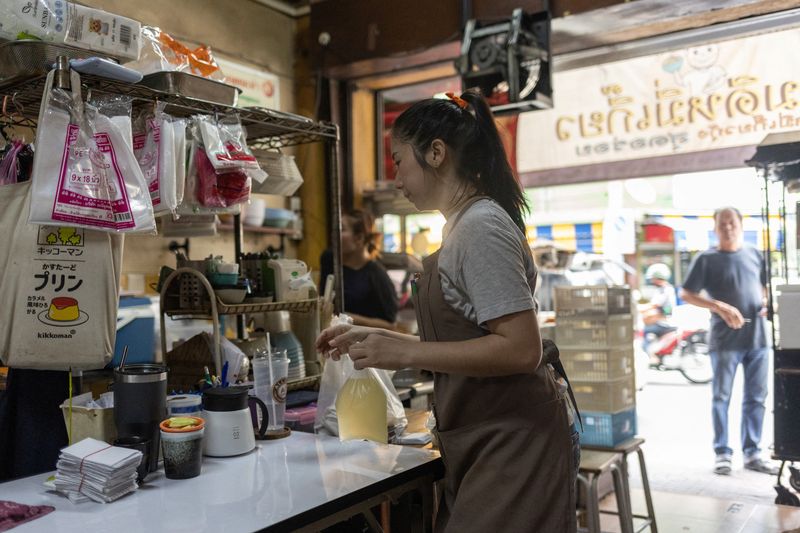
(361, 409)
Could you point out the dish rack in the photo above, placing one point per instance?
(201, 303)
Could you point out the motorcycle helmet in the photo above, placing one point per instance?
(658, 271)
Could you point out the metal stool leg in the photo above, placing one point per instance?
(620, 490)
(589, 485)
(651, 513)
(593, 503)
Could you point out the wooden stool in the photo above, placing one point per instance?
(594, 463)
(625, 448)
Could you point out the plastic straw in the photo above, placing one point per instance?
(124, 355)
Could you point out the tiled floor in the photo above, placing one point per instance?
(680, 513)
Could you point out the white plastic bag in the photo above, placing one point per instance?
(179, 128)
(167, 170)
(84, 173)
(334, 377)
(153, 144)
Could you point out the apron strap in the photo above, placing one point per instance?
(553, 357)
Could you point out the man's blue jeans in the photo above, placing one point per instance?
(756, 374)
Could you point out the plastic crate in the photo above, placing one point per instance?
(605, 396)
(592, 300)
(594, 332)
(608, 429)
(596, 364)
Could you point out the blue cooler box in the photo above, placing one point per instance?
(138, 334)
(608, 429)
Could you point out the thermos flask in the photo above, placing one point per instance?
(140, 397)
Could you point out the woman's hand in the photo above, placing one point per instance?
(337, 340)
(380, 351)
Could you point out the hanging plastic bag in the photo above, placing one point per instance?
(154, 145)
(167, 172)
(220, 189)
(160, 52)
(179, 129)
(118, 109)
(225, 143)
(356, 393)
(208, 200)
(84, 173)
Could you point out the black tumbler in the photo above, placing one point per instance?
(140, 404)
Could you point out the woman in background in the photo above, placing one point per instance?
(369, 295)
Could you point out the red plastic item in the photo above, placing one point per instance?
(658, 233)
(222, 189)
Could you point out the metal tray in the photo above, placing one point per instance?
(28, 59)
(191, 86)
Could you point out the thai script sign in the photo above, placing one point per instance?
(718, 95)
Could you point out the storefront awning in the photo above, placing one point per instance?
(587, 237)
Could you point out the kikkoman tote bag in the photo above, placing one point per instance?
(58, 290)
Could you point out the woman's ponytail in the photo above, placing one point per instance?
(494, 175)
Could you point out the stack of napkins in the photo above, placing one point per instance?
(94, 470)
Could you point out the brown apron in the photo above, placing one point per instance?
(504, 440)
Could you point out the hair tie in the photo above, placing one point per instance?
(460, 102)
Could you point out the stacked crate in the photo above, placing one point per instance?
(594, 333)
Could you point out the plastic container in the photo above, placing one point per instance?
(184, 405)
(605, 396)
(301, 418)
(788, 311)
(594, 332)
(592, 300)
(596, 364)
(88, 422)
(608, 429)
(220, 279)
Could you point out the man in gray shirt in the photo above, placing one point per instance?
(733, 278)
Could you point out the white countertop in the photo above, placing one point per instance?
(278, 480)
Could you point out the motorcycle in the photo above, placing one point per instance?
(683, 350)
(683, 347)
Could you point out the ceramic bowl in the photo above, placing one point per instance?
(231, 296)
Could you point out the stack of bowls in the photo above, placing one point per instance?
(254, 212)
(286, 340)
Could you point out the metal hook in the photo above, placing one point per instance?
(18, 107)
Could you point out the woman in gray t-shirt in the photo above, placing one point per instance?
(501, 422)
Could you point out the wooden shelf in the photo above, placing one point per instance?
(258, 229)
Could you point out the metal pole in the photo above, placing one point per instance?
(335, 192)
(768, 263)
(784, 253)
(238, 238)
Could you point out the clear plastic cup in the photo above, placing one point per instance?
(270, 374)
